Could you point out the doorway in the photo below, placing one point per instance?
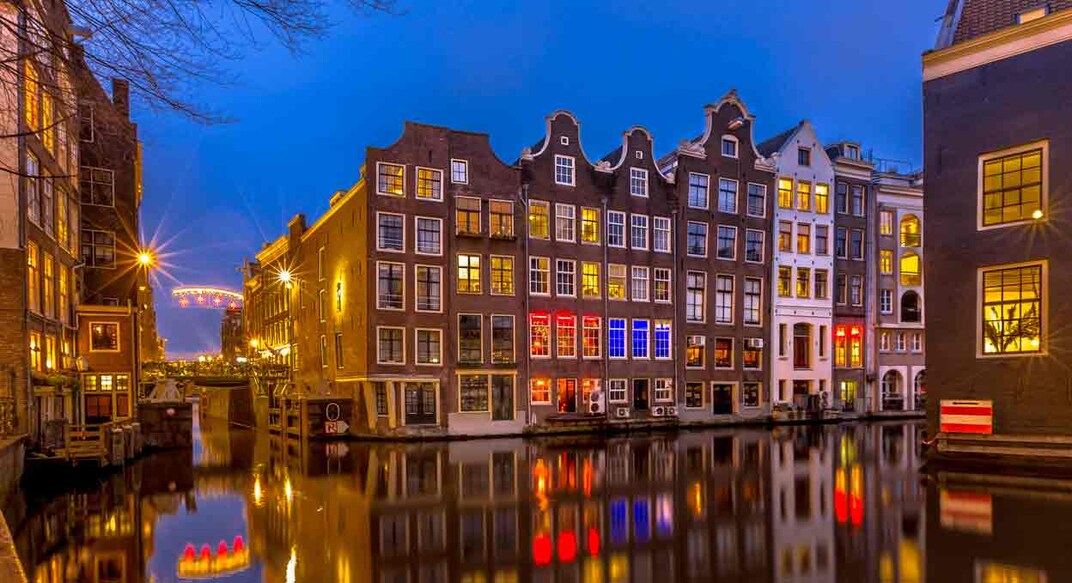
(567, 395)
(420, 403)
(847, 394)
(640, 394)
(722, 398)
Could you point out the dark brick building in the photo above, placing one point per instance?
(996, 151)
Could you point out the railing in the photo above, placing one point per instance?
(214, 368)
(87, 441)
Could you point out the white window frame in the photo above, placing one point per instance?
(479, 216)
(1044, 309)
(707, 236)
(638, 182)
(379, 246)
(384, 193)
(736, 195)
(625, 229)
(417, 183)
(572, 272)
(707, 191)
(627, 339)
(726, 138)
(1044, 194)
(655, 271)
(416, 344)
(615, 387)
(762, 245)
(528, 219)
(513, 275)
(378, 291)
(647, 234)
(885, 301)
(546, 278)
(566, 214)
(632, 330)
(744, 296)
(550, 387)
(379, 357)
(733, 298)
(703, 346)
(416, 236)
(416, 301)
(599, 331)
(656, 222)
(634, 270)
(763, 209)
(566, 163)
(666, 390)
(703, 297)
(465, 171)
(733, 353)
(720, 227)
(917, 342)
(458, 335)
(669, 325)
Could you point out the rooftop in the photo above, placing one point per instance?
(968, 19)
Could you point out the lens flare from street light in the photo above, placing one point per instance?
(145, 258)
(284, 276)
(1037, 214)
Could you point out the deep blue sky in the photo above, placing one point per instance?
(302, 121)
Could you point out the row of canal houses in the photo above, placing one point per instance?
(448, 292)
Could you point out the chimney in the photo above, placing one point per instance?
(121, 98)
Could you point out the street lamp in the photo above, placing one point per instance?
(285, 277)
(145, 258)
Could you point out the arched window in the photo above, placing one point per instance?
(910, 232)
(919, 390)
(892, 399)
(911, 311)
(910, 269)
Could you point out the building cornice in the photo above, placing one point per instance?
(998, 45)
(272, 251)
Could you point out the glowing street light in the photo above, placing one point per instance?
(146, 259)
(285, 277)
(1037, 214)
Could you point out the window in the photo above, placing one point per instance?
(785, 193)
(33, 188)
(663, 339)
(429, 184)
(785, 281)
(565, 277)
(842, 288)
(910, 269)
(917, 342)
(757, 200)
(638, 232)
(803, 282)
(724, 299)
(803, 238)
(389, 286)
(97, 186)
(1012, 186)
(429, 236)
(910, 232)
(729, 146)
(802, 346)
(910, 307)
(694, 395)
(468, 274)
(50, 285)
(856, 244)
(565, 223)
(727, 242)
(727, 195)
(564, 170)
(841, 244)
(540, 391)
(502, 339)
(381, 398)
(616, 281)
(885, 261)
(589, 225)
(640, 284)
(467, 215)
(695, 353)
(502, 275)
(566, 335)
(841, 198)
(539, 276)
(390, 346)
(1032, 14)
(822, 238)
(822, 198)
(723, 353)
(901, 345)
(803, 196)
(429, 346)
(753, 300)
(695, 290)
(750, 394)
(50, 353)
(33, 276)
(103, 337)
(429, 291)
(539, 219)
(591, 337)
(540, 335)
(390, 179)
(30, 96)
(662, 288)
(821, 284)
(885, 222)
(782, 339)
(615, 229)
(390, 232)
(664, 390)
(662, 234)
(696, 240)
(616, 338)
(616, 391)
(65, 295)
(470, 338)
(35, 354)
(804, 156)
(698, 190)
(884, 341)
(753, 246)
(501, 218)
(752, 354)
(1012, 309)
(638, 182)
(885, 301)
(48, 205)
(590, 284)
(459, 171)
(858, 200)
(785, 236)
(856, 292)
(641, 338)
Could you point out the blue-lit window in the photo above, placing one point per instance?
(619, 521)
(641, 334)
(662, 339)
(616, 339)
(642, 519)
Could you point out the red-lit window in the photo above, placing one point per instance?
(540, 335)
(592, 339)
(566, 327)
(840, 346)
(848, 346)
(856, 347)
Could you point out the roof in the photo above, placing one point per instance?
(613, 156)
(771, 145)
(968, 19)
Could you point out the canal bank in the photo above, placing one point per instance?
(12, 464)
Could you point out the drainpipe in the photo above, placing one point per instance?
(606, 312)
(525, 303)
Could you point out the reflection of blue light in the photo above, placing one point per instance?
(664, 516)
(642, 519)
(619, 521)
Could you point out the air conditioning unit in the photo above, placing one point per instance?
(754, 343)
(622, 413)
(597, 403)
(659, 411)
(671, 411)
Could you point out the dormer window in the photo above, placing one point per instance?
(1031, 14)
(852, 152)
(729, 146)
(564, 140)
(564, 170)
(804, 156)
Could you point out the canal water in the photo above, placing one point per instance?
(793, 504)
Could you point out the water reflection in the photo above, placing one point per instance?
(801, 504)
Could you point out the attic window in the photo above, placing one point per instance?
(639, 155)
(564, 140)
(1031, 14)
(852, 152)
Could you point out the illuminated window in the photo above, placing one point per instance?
(33, 277)
(65, 295)
(429, 184)
(695, 296)
(502, 275)
(639, 286)
(468, 274)
(694, 395)
(661, 235)
(638, 232)
(539, 220)
(727, 195)
(723, 353)
(539, 276)
(885, 222)
(641, 338)
(724, 299)
(785, 281)
(752, 354)
(390, 232)
(473, 397)
(540, 391)
(592, 337)
(1012, 186)
(1012, 309)
(822, 198)
(502, 339)
(35, 351)
(803, 282)
(616, 338)
(1023, 18)
(566, 335)
(615, 229)
(785, 193)
(638, 182)
(856, 347)
(97, 186)
(698, 190)
(470, 338)
(564, 170)
(61, 220)
(103, 337)
(50, 285)
(590, 284)
(390, 179)
(50, 353)
(540, 335)
(467, 215)
(803, 238)
(589, 225)
(662, 286)
(48, 204)
(429, 288)
(616, 281)
(459, 171)
(501, 218)
(885, 261)
(803, 196)
(910, 269)
(841, 346)
(31, 106)
(565, 277)
(910, 232)
(695, 352)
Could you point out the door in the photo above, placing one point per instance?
(502, 397)
(640, 394)
(420, 403)
(722, 399)
(848, 395)
(567, 395)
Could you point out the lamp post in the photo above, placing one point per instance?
(146, 261)
(286, 279)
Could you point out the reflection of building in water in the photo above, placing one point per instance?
(801, 515)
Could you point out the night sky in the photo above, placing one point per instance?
(301, 122)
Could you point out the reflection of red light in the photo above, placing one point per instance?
(184, 302)
(206, 552)
(189, 553)
(841, 506)
(856, 510)
(541, 549)
(221, 549)
(593, 541)
(567, 546)
(239, 544)
(591, 321)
